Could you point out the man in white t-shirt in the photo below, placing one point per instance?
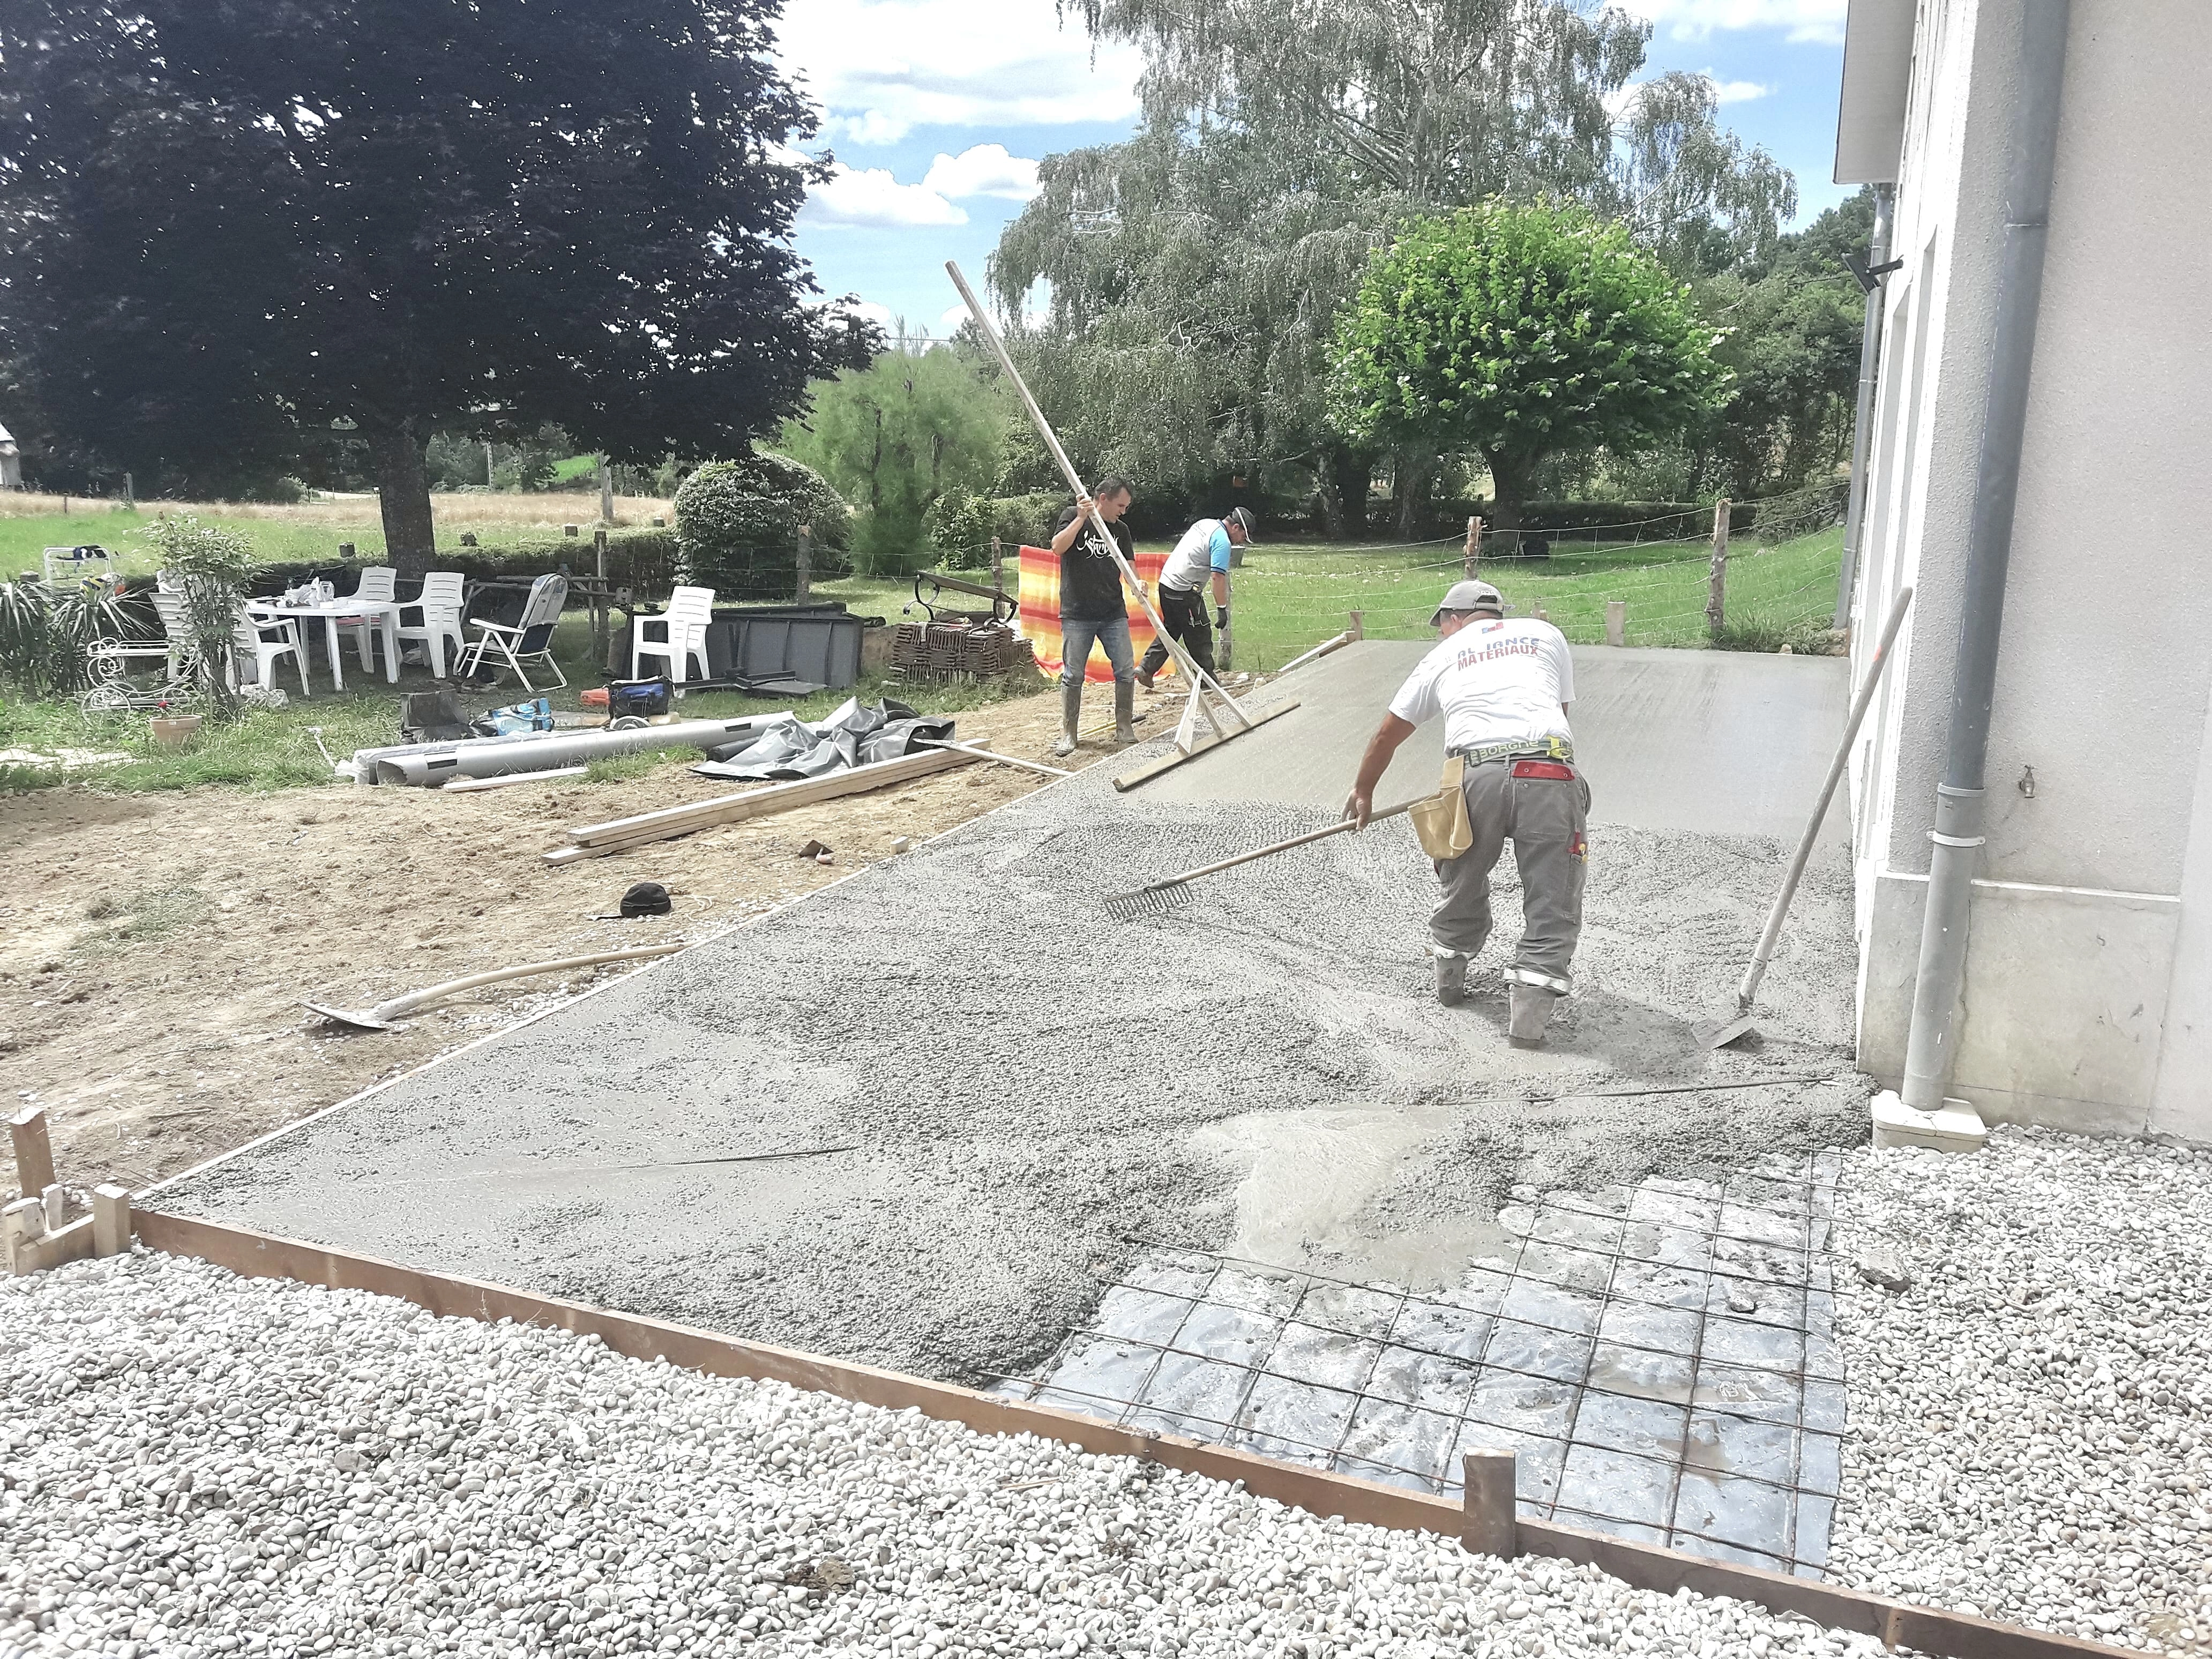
(1203, 553)
(1503, 685)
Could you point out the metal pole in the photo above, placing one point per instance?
(1957, 837)
(1860, 704)
(1884, 199)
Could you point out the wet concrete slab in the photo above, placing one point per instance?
(925, 1118)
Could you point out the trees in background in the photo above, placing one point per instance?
(1519, 331)
(233, 225)
(898, 435)
(1197, 271)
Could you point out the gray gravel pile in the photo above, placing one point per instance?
(2031, 1418)
(198, 1464)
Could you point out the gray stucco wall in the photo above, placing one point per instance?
(2106, 669)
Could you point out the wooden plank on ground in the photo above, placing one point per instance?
(618, 834)
(1175, 757)
(1928, 1630)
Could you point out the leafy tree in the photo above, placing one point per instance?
(211, 567)
(897, 435)
(1198, 270)
(233, 224)
(1520, 333)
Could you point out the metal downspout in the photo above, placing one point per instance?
(1931, 1050)
(1884, 199)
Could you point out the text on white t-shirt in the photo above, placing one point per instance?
(1502, 680)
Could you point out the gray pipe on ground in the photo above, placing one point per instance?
(1885, 200)
(1929, 1050)
(423, 765)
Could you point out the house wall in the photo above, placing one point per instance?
(2094, 907)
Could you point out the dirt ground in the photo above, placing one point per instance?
(157, 946)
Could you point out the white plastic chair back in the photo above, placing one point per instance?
(376, 584)
(170, 608)
(690, 606)
(539, 614)
(441, 591)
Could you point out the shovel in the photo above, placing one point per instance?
(380, 1018)
(1738, 1025)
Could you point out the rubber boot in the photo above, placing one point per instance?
(1071, 717)
(1451, 976)
(1529, 1011)
(1124, 713)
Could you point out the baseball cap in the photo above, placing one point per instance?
(1470, 596)
(1243, 519)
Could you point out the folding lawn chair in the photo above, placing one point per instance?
(530, 640)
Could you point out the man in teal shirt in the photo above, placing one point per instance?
(1204, 551)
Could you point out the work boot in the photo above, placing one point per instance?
(1529, 1011)
(1451, 976)
(1124, 713)
(1143, 680)
(1071, 717)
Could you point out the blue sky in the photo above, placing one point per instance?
(939, 110)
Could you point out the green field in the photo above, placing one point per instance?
(1288, 597)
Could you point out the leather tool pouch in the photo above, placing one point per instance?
(1441, 822)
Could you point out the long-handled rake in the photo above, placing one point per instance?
(1161, 898)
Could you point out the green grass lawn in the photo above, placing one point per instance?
(276, 541)
(1288, 597)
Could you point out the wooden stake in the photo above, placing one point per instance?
(1616, 622)
(998, 566)
(1716, 596)
(1492, 1526)
(1471, 559)
(34, 1152)
(805, 562)
(1358, 628)
(110, 1219)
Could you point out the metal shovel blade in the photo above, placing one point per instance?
(359, 1018)
(1719, 1033)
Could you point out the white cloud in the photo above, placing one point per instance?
(1737, 92)
(871, 127)
(884, 67)
(873, 197)
(983, 170)
(1817, 20)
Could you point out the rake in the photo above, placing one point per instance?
(1160, 898)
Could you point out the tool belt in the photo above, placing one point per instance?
(1441, 822)
(1552, 749)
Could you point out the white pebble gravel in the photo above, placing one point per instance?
(192, 1463)
(2030, 1421)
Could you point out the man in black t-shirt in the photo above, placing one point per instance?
(1092, 611)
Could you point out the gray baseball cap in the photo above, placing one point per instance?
(1470, 596)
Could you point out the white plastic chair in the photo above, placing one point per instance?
(169, 606)
(437, 613)
(531, 639)
(378, 585)
(265, 639)
(683, 634)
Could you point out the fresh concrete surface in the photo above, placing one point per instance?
(1718, 742)
(971, 1097)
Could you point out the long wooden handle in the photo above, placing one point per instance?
(1336, 829)
(989, 331)
(451, 987)
(1772, 932)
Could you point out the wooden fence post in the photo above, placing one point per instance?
(998, 565)
(1716, 596)
(1471, 559)
(606, 492)
(1358, 628)
(600, 620)
(34, 1152)
(1616, 622)
(805, 562)
(1491, 1524)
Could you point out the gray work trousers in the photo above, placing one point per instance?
(1546, 819)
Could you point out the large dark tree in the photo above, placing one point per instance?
(228, 225)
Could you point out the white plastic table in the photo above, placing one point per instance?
(383, 614)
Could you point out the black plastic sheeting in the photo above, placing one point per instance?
(857, 734)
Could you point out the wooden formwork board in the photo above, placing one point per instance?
(1931, 1629)
(1175, 758)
